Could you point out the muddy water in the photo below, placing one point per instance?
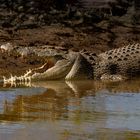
(81, 110)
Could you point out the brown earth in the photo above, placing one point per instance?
(98, 38)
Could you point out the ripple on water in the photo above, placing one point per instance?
(9, 128)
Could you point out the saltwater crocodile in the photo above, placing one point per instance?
(117, 64)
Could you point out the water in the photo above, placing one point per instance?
(81, 110)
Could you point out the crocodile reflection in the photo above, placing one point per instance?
(81, 88)
(60, 98)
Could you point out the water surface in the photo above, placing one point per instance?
(80, 110)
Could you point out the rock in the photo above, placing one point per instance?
(7, 47)
(20, 9)
(6, 24)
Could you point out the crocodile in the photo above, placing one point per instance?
(116, 64)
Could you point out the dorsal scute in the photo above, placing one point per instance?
(91, 57)
(124, 61)
(129, 52)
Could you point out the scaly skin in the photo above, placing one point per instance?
(123, 61)
(116, 64)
